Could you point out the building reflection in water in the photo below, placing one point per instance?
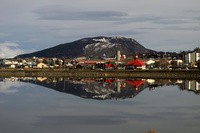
(191, 86)
(109, 88)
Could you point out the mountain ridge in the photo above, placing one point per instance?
(92, 47)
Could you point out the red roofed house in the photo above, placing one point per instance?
(136, 63)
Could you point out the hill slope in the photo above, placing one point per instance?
(92, 47)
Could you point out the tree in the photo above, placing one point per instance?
(197, 49)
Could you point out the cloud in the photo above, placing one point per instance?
(146, 18)
(79, 120)
(120, 33)
(192, 11)
(2, 34)
(9, 87)
(9, 50)
(196, 18)
(124, 17)
(59, 14)
(117, 16)
(171, 21)
(193, 28)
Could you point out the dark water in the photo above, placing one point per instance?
(41, 105)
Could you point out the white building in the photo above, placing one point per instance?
(192, 57)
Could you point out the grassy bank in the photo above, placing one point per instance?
(172, 74)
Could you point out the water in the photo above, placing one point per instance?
(41, 105)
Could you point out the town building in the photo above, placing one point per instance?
(192, 57)
(136, 64)
(41, 65)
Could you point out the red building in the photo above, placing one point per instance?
(136, 63)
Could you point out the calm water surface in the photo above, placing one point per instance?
(41, 105)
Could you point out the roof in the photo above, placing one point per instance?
(135, 62)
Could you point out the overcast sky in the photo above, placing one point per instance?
(31, 25)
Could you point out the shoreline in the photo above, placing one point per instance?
(155, 74)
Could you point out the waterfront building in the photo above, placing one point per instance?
(176, 63)
(150, 64)
(41, 65)
(136, 63)
(192, 57)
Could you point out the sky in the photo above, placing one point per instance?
(164, 25)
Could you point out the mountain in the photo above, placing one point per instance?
(92, 47)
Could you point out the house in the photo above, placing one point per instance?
(12, 66)
(110, 65)
(150, 64)
(136, 63)
(176, 63)
(69, 65)
(9, 63)
(42, 65)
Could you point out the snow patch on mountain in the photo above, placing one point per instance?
(101, 40)
(100, 44)
(99, 92)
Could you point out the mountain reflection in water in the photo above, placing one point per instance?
(109, 88)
